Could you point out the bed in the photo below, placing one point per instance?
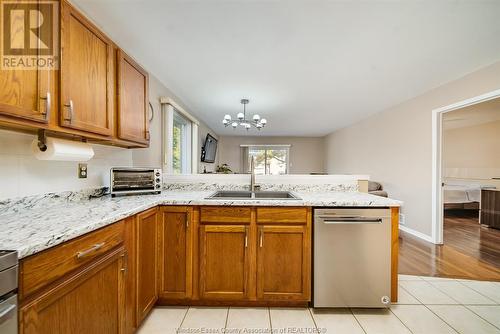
(462, 195)
(455, 193)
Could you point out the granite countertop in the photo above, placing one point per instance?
(32, 226)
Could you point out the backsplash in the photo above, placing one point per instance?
(24, 175)
(213, 186)
(289, 182)
(12, 205)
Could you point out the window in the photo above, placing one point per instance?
(269, 159)
(181, 145)
(180, 139)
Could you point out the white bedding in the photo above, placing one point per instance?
(455, 193)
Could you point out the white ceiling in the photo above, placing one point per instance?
(309, 67)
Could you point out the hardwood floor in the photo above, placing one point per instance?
(469, 251)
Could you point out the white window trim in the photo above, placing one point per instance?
(169, 107)
(267, 146)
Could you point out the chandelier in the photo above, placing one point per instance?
(241, 119)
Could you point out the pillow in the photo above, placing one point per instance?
(374, 186)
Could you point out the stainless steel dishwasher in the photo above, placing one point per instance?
(8, 292)
(352, 257)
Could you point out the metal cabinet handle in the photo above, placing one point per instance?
(6, 314)
(188, 218)
(48, 105)
(81, 254)
(70, 106)
(261, 238)
(125, 260)
(246, 237)
(351, 221)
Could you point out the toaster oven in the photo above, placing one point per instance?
(127, 181)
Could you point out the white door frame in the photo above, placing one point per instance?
(437, 147)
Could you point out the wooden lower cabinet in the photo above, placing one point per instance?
(283, 263)
(224, 262)
(175, 256)
(130, 282)
(180, 255)
(91, 301)
(146, 262)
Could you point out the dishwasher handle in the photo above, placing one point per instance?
(350, 220)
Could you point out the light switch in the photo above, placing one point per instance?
(82, 171)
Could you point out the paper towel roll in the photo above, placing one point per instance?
(63, 150)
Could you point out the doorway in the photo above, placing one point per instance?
(466, 136)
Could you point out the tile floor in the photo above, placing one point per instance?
(427, 305)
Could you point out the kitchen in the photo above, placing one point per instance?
(128, 208)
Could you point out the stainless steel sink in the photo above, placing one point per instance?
(269, 195)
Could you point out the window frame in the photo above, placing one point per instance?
(185, 143)
(245, 152)
(171, 113)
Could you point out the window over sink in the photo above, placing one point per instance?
(269, 159)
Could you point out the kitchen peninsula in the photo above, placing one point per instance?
(176, 248)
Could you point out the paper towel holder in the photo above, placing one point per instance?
(42, 140)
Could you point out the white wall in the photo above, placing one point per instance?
(22, 175)
(306, 153)
(152, 156)
(472, 152)
(394, 145)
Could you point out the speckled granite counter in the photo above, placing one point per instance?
(30, 226)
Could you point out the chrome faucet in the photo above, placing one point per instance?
(252, 174)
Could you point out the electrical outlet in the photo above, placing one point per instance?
(82, 171)
(401, 219)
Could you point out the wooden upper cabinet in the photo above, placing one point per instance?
(224, 262)
(283, 263)
(146, 262)
(132, 109)
(175, 267)
(91, 301)
(25, 94)
(87, 75)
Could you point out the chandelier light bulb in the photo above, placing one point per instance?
(255, 121)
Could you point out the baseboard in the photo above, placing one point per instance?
(417, 234)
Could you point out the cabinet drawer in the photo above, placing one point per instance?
(225, 214)
(282, 215)
(41, 269)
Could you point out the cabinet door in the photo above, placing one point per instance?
(130, 283)
(224, 262)
(25, 94)
(86, 75)
(132, 109)
(91, 301)
(147, 250)
(175, 268)
(283, 263)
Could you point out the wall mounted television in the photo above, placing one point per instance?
(209, 149)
